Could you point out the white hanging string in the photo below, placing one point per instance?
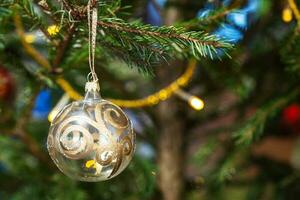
(92, 23)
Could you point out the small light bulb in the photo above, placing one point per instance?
(287, 15)
(29, 38)
(196, 103)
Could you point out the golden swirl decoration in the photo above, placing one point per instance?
(74, 141)
(115, 150)
(110, 139)
(114, 153)
(111, 114)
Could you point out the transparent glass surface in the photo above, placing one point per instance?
(91, 140)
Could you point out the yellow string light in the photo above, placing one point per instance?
(65, 85)
(196, 103)
(153, 99)
(295, 9)
(287, 14)
(29, 38)
(150, 100)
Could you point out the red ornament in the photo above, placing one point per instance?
(291, 118)
(6, 85)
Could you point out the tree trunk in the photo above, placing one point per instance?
(170, 155)
(170, 144)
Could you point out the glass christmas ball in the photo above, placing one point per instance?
(91, 140)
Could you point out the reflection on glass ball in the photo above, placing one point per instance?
(91, 140)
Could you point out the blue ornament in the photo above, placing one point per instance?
(153, 14)
(237, 21)
(42, 104)
(238, 18)
(229, 33)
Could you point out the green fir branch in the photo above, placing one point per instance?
(137, 56)
(227, 169)
(135, 43)
(152, 44)
(290, 54)
(4, 13)
(254, 127)
(26, 9)
(206, 149)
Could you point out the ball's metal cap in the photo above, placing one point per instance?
(92, 86)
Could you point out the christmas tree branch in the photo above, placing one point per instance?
(63, 45)
(152, 44)
(144, 45)
(290, 52)
(30, 143)
(254, 127)
(139, 44)
(39, 58)
(160, 32)
(79, 12)
(221, 12)
(29, 11)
